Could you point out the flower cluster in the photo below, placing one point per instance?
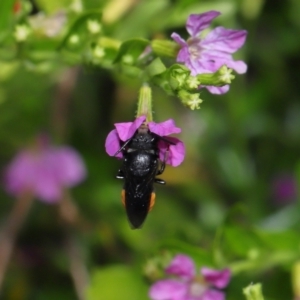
(187, 284)
(208, 54)
(44, 171)
(125, 131)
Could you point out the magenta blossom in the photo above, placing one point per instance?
(44, 171)
(187, 284)
(208, 54)
(125, 131)
(284, 188)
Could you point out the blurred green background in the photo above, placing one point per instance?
(233, 202)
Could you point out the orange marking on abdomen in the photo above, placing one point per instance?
(152, 201)
(123, 197)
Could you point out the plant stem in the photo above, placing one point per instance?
(253, 292)
(62, 102)
(70, 216)
(11, 229)
(145, 103)
(78, 268)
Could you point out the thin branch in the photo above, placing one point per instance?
(62, 101)
(11, 229)
(70, 216)
(78, 268)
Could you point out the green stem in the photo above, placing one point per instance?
(253, 292)
(107, 42)
(263, 263)
(296, 279)
(145, 103)
(165, 48)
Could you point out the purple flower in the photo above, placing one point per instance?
(208, 54)
(187, 284)
(284, 188)
(125, 131)
(44, 171)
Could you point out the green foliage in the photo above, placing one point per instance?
(130, 51)
(253, 292)
(53, 6)
(112, 282)
(80, 28)
(222, 206)
(6, 7)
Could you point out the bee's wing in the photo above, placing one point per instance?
(138, 195)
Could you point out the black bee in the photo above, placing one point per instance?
(140, 167)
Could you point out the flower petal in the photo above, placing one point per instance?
(182, 266)
(219, 279)
(112, 144)
(237, 65)
(178, 39)
(168, 289)
(213, 59)
(213, 295)
(183, 55)
(198, 22)
(215, 55)
(45, 178)
(284, 188)
(164, 128)
(172, 154)
(127, 129)
(226, 40)
(71, 169)
(46, 187)
(19, 175)
(201, 66)
(44, 171)
(217, 90)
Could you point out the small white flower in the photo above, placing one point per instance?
(225, 74)
(21, 33)
(74, 39)
(127, 59)
(194, 102)
(49, 26)
(193, 82)
(76, 6)
(93, 26)
(99, 52)
(181, 79)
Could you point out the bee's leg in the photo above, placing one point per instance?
(163, 163)
(123, 147)
(161, 169)
(160, 181)
(120, 174)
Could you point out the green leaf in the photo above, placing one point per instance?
(283, 219)
(156, 67)
(241, 241)
(140, 19)
(236, 168)
(117, 282)
(130, 50)
(79, 27)
(286, 240)
(6, 13)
